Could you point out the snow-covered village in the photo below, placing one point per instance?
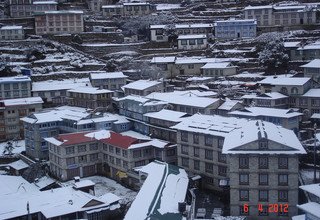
(159, 109)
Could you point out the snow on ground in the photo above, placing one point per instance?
(18, 147)
(110, 45)
(167, 6)
(105, 185)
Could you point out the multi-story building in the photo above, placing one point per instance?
(233, 29)
(312, 70)
(11, 33)
(192, 41)
(128, 9)
(15, 87)
(263, 170)
(58, 22)
(88, 153)
(282, 14)
(269, 100)
(95, 5)
(26, 8)
(143, 87)
(160, 33)
(89, 97)
(108, 80)
(65, 119)
(187, 101)
(287, 118)
(218, 69)
(54, 92)
(11, 110)
(309, 101)
(199, 143)
(308, 52)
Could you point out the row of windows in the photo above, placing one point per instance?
(263, 162)
(263, 195)
(208, 139)
(263, 179)
(186, 150)
(192, 42)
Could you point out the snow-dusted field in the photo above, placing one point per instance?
(105, 185)
(18, 147)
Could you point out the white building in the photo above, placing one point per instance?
(218, 69)
(312, 70)
(27, 8)
(192, 41)
(143, 87)
(15, 87)
(233, 29)
(11, 33)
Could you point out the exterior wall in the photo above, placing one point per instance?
(209, 167)
(167, 69)
(263, 16)
(56, 96)
(312, 104)
(191, 44)
(11, 34)
(111, 84)
(15, 89)
(126, 10)
(313, 73)
(28, 7)
(269, 103)
(86, 100)
(112, 11)
(158, 35)
(232, 29)
(291, 90)
(218, 72)
(272, 187)
(57, 23)
(145, 92)
(188, 69)
(95, 5)
(161, 129)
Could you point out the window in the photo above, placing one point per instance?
(283, 196)
(136, 153)
(111, 149)
(184, 136)
(220, 143)
(263, 162)
(196, 151)
(196, 138)
(283, 162)
(184, 42)
(82, 148)
(192, 42)
(118, 152)
(209, 167)
(82, 159)
(70, 161)
(222, 157)
(283, 179)
(70, 150)
(171, 152)
(184, 149)
(93, 146)
(263, 195)
(263, 145)
(190, 66)
(222, 170)
(200, 41)
(263, 179)
(209, 154)
(243, 179)
(93, 157)
(243, 195)
(243, 162)
(185, 162)
(125, 153)
(196, 164)
(208, 140)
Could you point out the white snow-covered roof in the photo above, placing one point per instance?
(204, 60)
(299, 217)
(290, 7)
(167, 115)
(45, 3)
(136, 3)
(228, 104)
(22, 101)
(89, 90)
(197, 78)
(256, 130)
(315, 116)
(267, 95)
(136, 135)
(312, 46)
(311, 207)
(312, 188)
(152, 143)
(83, 183)
(187, 99)
(142, 84)
(294, 81)
(160, 194)
(143, 100)
(15, 79)
(18, 165)
(108, 75)
(169, 59)
(61, 12)
(217, 65)
(54, 85)
(262, 111)
(236, 21)
(312, 64)
(249, 75)
(210, 124)
(291, 44)
(44, 182)
(98, 135)
(192, 36)
(312, 93)
(11, 28)
(197, 25)
(112, 6)
(158, 26)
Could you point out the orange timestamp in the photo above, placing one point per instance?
(270, 208)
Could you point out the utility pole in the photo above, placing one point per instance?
(314, 154)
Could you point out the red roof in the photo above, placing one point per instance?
(115, 139)
(119, 140)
